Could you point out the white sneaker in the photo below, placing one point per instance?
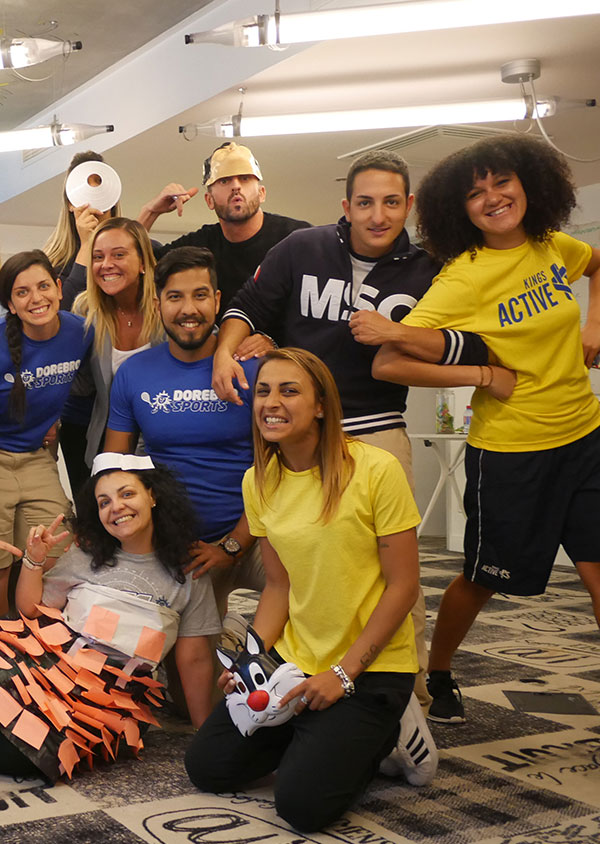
(415, 754)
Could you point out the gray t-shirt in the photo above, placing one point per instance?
(143, 576)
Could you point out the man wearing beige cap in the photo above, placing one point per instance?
(244, 232)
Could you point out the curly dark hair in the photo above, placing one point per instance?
(443, 224)
(14, 327)
(173, 518)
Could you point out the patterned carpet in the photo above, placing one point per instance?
(525, 769)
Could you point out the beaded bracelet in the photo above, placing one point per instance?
(31, 564)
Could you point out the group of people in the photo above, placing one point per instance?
(273, 454)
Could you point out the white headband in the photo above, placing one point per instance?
(122, 462)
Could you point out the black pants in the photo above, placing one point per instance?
(324, 759)
(73, 442)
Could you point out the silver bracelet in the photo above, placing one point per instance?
(347, 683)
(31, 564)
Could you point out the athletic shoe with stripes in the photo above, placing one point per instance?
(415, 754)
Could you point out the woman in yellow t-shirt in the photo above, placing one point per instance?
(492, 212)
(335, 520)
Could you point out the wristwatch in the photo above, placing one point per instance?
(231, 546)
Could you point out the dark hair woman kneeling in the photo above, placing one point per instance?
(336, 523)
(126, 601)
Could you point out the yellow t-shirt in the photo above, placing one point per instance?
(520, 302)
(334, 569)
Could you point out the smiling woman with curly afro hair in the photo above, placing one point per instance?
(443, 224)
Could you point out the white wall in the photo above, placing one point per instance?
(22, 238)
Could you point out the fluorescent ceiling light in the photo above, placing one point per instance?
(486, 111)
(23, 52)
(55, 135)
(419, 16)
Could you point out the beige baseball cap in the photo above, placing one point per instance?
(230, 159)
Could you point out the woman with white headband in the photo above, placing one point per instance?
(77, 673)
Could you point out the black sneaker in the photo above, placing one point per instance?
(446, 707)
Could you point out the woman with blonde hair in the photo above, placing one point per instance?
(119, 302)
(67, 249)
(68, 246)
(335, 519)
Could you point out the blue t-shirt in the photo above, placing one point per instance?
(208, 442)
(48, 368)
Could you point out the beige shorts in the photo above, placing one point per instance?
(30, 495)
(396, 441)
(246, 573)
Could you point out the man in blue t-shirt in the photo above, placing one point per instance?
(165, 394)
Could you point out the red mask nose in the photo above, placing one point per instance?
(258, 701)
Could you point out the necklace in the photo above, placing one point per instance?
(129, 320)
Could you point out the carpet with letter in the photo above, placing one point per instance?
(524, 769)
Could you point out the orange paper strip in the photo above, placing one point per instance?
(32, 623)
(20, 686)
(98, 696)
(31, 729)
(37, 673)
(89, 720)
(31, 645)
(108, 741)
(65, 667)
(90, 658)
(58, 679)
(85, 733)
(144, 714)
(88, 680)
(51, 612)
(101, 623)
(68, 755)
(56, 724)
(151, 683)
(123, 699)
(8, 651)
(59, 711)
(55, 634)
(9, 707)
(132, 732)
(150, 644)
(39, 696)
(77, 739)
(25, 672)
(118, 672)
(4, 664)
(12, 625)
(153, 700)
(111, 719)
(10, 639)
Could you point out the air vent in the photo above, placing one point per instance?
(428, 145)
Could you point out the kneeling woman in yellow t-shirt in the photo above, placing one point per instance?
(336, 520)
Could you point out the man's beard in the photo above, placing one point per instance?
(192, 343)
(245, 212)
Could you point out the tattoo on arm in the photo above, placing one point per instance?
(370, 656)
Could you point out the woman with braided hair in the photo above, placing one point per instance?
(40, 353)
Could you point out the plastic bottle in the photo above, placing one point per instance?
(467, 419)
(444, 412)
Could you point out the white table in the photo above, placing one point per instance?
(447, 468)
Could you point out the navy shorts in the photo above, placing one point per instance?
(521, 506)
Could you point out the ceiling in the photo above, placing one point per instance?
(136, 73)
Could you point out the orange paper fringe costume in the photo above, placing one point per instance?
(61, 703)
